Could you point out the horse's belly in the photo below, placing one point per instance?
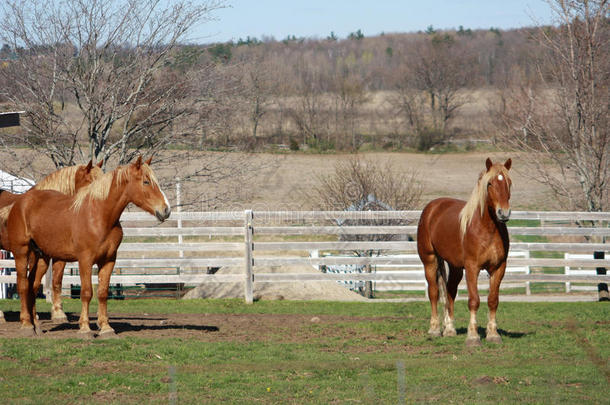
(57, 250)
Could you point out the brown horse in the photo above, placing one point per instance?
(83, 228)
(67, 180)
(469, 235)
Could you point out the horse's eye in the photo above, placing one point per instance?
(489, 184)
(146, 183)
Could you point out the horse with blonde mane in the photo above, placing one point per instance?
(468, 235)
(83, 228)
(67, 180)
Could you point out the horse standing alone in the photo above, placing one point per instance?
(468, 235)
(83, 228)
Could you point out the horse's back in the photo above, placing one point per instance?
(37, 210)
(438, 231)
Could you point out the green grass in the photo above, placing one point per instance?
(552, 353)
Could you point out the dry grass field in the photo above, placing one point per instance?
(282, 181)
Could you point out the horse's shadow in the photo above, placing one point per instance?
(123, 327)
(501, 332)
(119, 327)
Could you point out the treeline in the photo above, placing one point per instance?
(391, 90)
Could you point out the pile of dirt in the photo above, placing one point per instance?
(293, 290)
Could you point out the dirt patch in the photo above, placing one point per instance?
(204, 327)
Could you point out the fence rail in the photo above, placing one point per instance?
(248, 239)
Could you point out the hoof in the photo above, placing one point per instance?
(85, 334)
(27, 331)
(434, 333)
(108, 334)
(495, 339)
(449, 332)
(473, 341)
(59, 318)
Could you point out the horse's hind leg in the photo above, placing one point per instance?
(455, 276)
(39, 271)
(2, 320)
(430, 268)
(57, 312)
(25, 294)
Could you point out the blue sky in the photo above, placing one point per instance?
(317, 18)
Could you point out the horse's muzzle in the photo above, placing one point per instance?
(162, 216)
(503, 215)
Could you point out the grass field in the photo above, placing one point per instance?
(313, 352)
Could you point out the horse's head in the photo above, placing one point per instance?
(86, 174)
(498, 188)
(145, 191)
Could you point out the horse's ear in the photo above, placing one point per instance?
(149, 161)
(100, 163)
(138, 163)
(488, 164)
(89, 165)
(508, 164)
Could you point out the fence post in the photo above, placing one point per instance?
(602, 288)
(248, 280)
(179, 210)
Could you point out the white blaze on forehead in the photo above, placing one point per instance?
(500, 177)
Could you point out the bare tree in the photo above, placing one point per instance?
(563, 125)
(95, 76)
(310, 112)
(360, 184)
(349, 89)
(430, 90)
(259, 85)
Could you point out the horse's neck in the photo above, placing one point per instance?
(484, 222)
(114, 204)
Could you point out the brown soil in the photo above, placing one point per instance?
(204, 327)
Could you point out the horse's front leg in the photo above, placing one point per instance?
(472, 276)
(455, 276)
(86, 292)
(57, 312)
(495, 279)
(105, 270)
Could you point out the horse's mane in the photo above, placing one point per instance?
(478, 196)
(62, 180)
(100, 187)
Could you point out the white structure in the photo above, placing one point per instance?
(17, 185)
(14, 184)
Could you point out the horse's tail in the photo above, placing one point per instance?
(4, 211)
(441, 280)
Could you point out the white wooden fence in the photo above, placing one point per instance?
(258, 239)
